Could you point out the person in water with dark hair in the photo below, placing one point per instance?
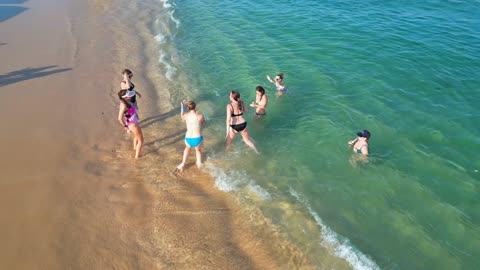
(260, 103)
(193, 138)
(128, 117)
(278, 82)
(360, 144)
(236, 123)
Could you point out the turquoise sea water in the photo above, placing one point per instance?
(409, 71)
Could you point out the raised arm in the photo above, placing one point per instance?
(270, 79)
(352, 142)
(182, 109)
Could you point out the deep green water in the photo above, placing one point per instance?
(409, 71)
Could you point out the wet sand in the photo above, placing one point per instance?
(72, 196)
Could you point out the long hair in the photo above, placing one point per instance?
(280, 75)
(236, 97)
(261, 90)
(121, 93)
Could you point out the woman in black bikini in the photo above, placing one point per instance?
(236, 123)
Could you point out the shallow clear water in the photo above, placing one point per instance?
(407, 71)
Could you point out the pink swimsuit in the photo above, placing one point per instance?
(131, 116)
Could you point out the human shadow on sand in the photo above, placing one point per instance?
(157, 118)
(169, 139)
(29, 73)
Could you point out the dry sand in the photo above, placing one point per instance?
(72, 196)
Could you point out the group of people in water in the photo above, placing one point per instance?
(195, 121)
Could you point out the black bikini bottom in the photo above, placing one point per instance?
(239, 127)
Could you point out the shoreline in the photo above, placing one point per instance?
(75, 197)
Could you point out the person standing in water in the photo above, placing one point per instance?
(260, 103)
(278, 82)
(128, 117)
(193, 138)
(360, 144)
(236, 123)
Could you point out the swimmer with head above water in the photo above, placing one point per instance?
(360, 144)
(278, 82)
(260, 103)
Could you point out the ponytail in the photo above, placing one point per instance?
(236, 97)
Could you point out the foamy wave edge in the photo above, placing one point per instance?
(166, 37)
(235, 181)
(342, 249)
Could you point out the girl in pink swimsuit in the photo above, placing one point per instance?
(128, 117)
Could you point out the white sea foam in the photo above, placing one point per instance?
(160, 38)
(170, 70)
(171, 7)
(227, 182)
(175, 20)
(166, 4)
(259, 191)
(235, 181)
(332, 241)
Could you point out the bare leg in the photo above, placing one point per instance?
(247, 140)
(198, 152)
(230, 137)
(186, 153)
(135, 142)
(137, 133)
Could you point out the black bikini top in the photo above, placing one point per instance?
(233, 114)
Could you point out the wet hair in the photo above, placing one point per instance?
(236, 97)
(127, 71)
(260, 89)
(121, 93)
(191, 105)
(280, 75)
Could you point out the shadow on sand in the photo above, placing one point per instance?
(29, 73)
(155, 119)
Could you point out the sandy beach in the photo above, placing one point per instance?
(72, 195)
